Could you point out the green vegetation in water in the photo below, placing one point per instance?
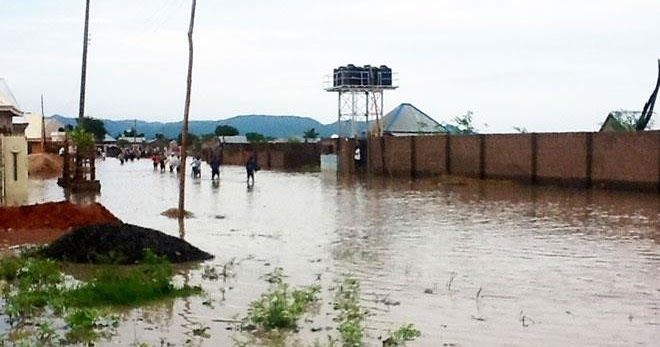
(351, 315)
(399, 337)
(281, 306)
(33, 287)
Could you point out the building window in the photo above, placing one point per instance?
(15, 166)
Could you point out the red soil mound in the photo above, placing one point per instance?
(44, 165)
(54, 216)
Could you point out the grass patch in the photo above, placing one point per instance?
(399, 337)
(33, 286)
(148, 281)
(280, 307)
(351, 315)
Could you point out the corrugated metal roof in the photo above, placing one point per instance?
(408, 119)
(7, 99)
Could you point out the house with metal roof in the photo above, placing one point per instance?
(408, 120)
(11, 117)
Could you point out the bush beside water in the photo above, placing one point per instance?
(35, 290)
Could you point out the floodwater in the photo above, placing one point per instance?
(505, 264)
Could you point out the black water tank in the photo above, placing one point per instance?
(385, 75)
(372, 75)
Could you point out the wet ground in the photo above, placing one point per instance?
(469, 263)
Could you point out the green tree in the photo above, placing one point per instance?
(83, 139)
(310, 134)
(94, 126)
(623, 120)
(464, 123)
(160, 136)
(256, 138)
(225, 130)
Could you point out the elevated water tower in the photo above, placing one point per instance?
(360, 95)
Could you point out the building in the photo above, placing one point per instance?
(407, 120)
(13, 149)
(54, 132)
(11, 118)
(237, 139)
(135, 143)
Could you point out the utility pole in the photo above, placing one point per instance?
(186, 112)
(83, 75)
(43, 126)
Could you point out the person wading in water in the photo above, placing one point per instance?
(251, 167)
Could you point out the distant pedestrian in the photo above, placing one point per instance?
(174, 163)
(215, 167)
(251, 167)
(155, 160)
(196, 167)
(162, 163)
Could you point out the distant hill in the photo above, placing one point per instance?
(275, 126)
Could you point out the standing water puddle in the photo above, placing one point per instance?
(480, 263)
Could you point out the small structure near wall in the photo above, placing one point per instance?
(13, 170)
(79, 171)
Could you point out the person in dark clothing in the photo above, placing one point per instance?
(251, 167)
(162, 163)
(215, 167)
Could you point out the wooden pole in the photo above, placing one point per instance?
(83, 75)
(43, 126)
(186, 112)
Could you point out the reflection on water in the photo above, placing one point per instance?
(468, 262)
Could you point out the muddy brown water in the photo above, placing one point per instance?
(505, 264)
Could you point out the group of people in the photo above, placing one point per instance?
(162, 161)
(129, 154)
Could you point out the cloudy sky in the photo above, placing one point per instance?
(544, 65)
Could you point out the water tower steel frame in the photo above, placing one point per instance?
(360, 95)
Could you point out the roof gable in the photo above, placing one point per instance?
(407, 118)
(7, 100)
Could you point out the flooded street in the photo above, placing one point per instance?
(469, 263)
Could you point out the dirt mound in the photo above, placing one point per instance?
(174, 213)
(44, 165)
(54, 216)
(120, 244)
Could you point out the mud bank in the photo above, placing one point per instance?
(60, 216)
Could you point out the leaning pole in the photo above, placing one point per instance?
(186, 111)
(83, 73)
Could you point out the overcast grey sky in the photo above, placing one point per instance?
(543, 65)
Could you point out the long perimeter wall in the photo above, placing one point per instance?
(607, 160)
